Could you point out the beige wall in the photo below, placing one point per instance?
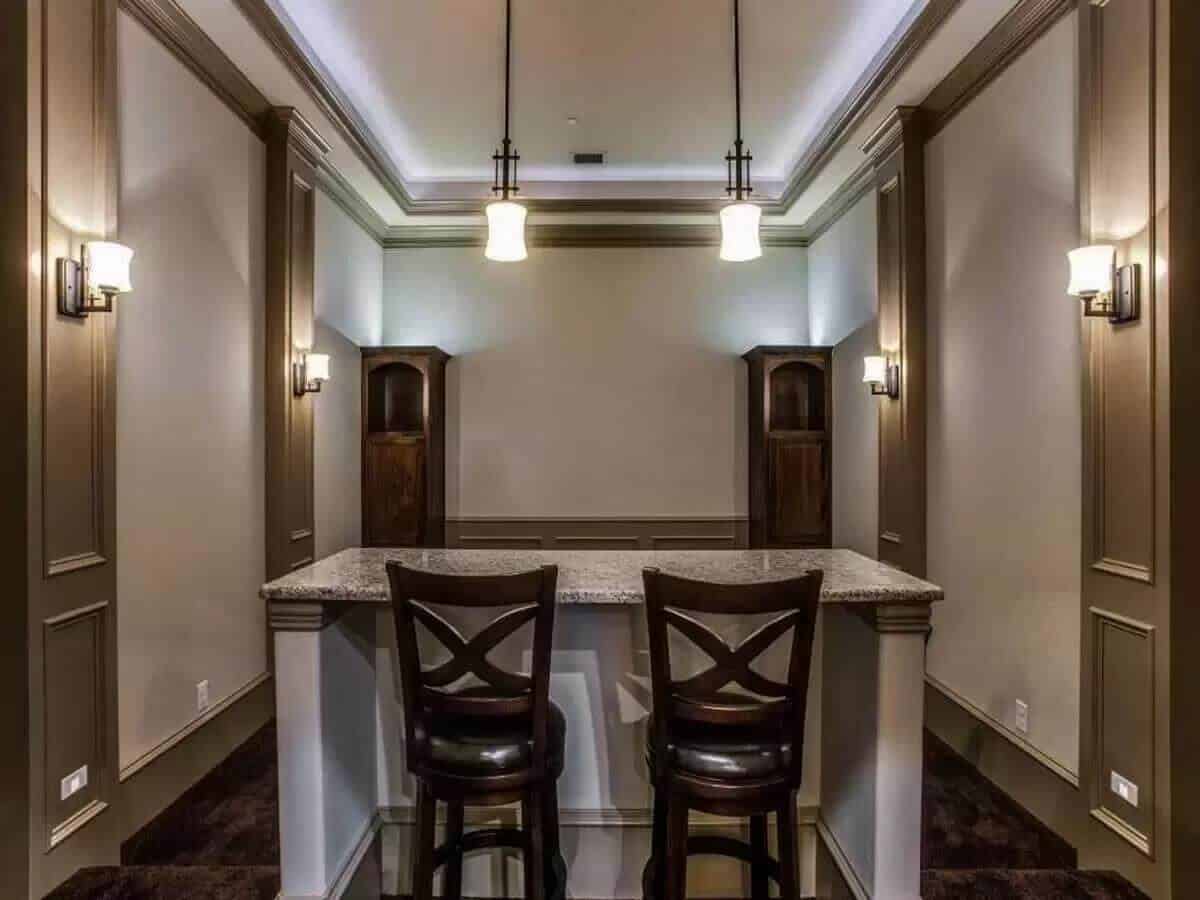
(595, 382)
(1004, 423)
(348, 309)
(190, 433)
(843, 312)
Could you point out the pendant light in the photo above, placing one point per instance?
(741, 218)
(506, 218)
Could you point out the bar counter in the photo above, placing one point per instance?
(342, 776)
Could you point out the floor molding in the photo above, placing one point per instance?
(1018, 740)
(838, 855)
(154, 780)
(806, 817)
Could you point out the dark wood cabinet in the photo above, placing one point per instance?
(404, 446)
(791, 443)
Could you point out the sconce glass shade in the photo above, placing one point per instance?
(1091, 270)
(316, 366)
(108, 268)
(739, 232)
(506, 232)
(874, 370)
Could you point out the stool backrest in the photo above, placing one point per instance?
(429, 691)
(703, 697)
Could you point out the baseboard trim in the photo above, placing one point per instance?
(154, 780)
(1020, 742)
(842, 861)
(806, 817)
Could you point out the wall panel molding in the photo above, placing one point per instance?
(599, 533)
(294, 153)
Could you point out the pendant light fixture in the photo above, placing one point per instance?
(741, 218)
(506, 218)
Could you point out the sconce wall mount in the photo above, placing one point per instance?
(91, 284)
(882, 375)
(1108, 291)
(309, 372)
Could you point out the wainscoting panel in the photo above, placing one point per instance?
(1124, 730)
(598, 534)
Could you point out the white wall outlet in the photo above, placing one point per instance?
(1124, 788)
(202, 695)
(1022, 717)
(73, 783)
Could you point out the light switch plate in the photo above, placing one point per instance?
(1022, 717)
(74, 783)
(1124, 788)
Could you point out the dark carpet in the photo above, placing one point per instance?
(220, 841)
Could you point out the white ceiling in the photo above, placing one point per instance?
(650, 82)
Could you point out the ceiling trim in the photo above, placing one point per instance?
(841, 201)
(1008, 39)
(907, 40)
(414, 237)
(342, 192)
(174, 29)
(905, 43)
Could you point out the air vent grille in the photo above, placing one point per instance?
(589, 159)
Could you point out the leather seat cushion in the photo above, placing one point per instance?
(487, 746)
(727, 754)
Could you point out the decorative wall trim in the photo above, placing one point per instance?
(842, 861)
(412, 237)
(300, 616)
(596, 533)
(343, 193)
(354, 859)
(1008, 39)
(840, 202)
(1017, 740)
(157, 778)
(905, 43)
(166, 746)
(173, 28)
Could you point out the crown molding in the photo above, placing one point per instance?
(412, 237)
(342, 192)
(905, 43)
(1008, 39)
(840, 202)
(186, 41)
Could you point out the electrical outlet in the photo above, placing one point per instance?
(1022, 717)
(73, 783)
(1124, 788)
(202, 696)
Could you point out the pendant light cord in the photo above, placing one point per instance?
(737, 69)
(507, 63)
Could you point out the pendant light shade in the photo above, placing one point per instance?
(506, 218)
(739, 232)
(506, 231)
(740, 220)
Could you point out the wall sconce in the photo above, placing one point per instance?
(1106, 291)
(90, 285)
(882, 376)
(309, 372)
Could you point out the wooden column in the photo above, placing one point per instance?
(897, 152)
(58, 655)
(294, 154)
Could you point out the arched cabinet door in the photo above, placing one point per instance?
(790, 458)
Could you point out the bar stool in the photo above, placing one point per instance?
(722, 751)
(495, 740)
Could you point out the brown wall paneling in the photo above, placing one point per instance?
(294, 152)
(598, 534)
(897, 150)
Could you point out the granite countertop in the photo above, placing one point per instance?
(358, 575)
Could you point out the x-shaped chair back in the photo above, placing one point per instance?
(427, 691)
(703, 697)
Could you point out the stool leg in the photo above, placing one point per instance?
(423, 840)
(455, 813)
(550, 822)
(759, 885)
(658, 841)
(532, 810)
(675, 861)
(789, 872)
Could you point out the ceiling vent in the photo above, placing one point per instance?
(589, 159)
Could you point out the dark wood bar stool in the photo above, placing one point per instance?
(728, 740)
(476, 734)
